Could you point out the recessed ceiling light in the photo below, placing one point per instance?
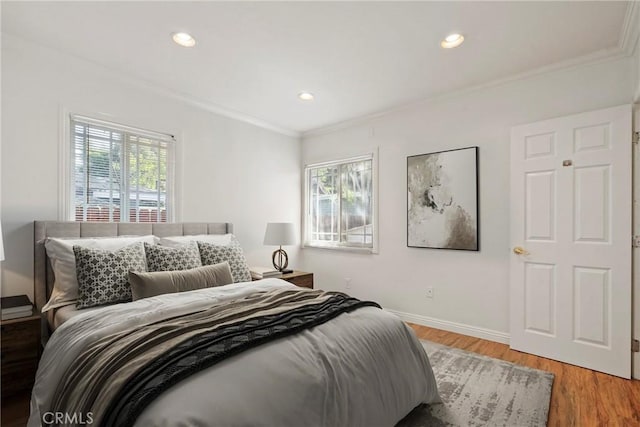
(184, 39)
(306, 96)
(451, 41)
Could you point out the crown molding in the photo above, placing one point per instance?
(594, 58)
(627, 44)
(167, 93)
(223, 111)
(630, 30)
(203, 105)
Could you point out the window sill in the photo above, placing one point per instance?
(372, 251)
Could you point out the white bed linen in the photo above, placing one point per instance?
(364, 368)
(62, 314)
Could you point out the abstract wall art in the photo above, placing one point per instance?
(442, 200)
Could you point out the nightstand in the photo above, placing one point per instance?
(20, 347)
(299, 278)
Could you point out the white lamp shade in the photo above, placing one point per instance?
(280, 234)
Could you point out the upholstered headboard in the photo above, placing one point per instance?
(42, 272)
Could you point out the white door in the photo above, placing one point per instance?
(570, 296)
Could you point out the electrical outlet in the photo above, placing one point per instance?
(636, 241)
(347, 282)
(429, 292)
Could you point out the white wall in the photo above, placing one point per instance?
(227, 170)
(636, 78)
(470, 288)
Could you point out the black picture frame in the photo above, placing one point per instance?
(443, 206)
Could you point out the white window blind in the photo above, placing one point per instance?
(340, 205)
(119, 173)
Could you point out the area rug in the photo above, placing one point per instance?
(482, 391)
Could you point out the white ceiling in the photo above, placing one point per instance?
(358, 58)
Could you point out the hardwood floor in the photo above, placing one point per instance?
(580, 397)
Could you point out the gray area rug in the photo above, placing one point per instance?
(482, 391)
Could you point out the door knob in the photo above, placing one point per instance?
(520, 251)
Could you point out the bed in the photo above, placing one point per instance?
(352, 365)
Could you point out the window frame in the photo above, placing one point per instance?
(67, 151)
(306, 218)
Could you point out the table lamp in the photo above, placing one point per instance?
(280, 233)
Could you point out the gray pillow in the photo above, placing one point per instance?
(215, 254)
(145, 285)
(162, 258)
(103, 275)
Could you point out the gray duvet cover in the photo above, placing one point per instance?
(363, 368)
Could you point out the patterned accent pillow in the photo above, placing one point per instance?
(103, 275)
(162, 258)
(215, 254)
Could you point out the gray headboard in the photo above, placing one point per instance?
(42, 272)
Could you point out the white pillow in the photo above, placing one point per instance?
(63, 262)
(216, 239)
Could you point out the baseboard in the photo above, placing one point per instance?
(460, 328)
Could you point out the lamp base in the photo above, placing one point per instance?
(286, 271)
(280, 259)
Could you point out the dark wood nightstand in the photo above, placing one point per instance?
(299, 278)
(20, 347)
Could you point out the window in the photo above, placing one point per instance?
(340, 204)
(119, 174)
